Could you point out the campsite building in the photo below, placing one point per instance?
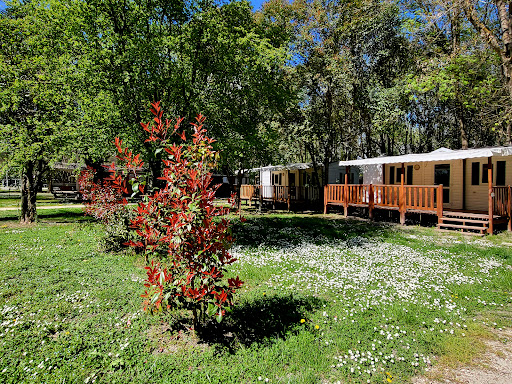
(290, 184)
(466, 189)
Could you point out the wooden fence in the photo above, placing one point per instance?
(422, 198)
(279, 193)
(502, 203)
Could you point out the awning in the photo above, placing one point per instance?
(441, 154)
(289, 167)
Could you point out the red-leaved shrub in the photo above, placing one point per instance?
(182, 232)
(105, 201)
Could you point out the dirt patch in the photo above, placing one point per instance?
(493, 367)
(172, 340)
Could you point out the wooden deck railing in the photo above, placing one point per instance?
(421, 197)
(502, 201)
(279, 193)
(426, 198)
(416, 197)
(248, 192)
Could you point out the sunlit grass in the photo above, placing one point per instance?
(323, 301)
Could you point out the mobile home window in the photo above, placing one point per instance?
(398, 174)
(485, 175)
(410, 169)
(442, 174)
(392, 175)
(475, 173)
(500, 173)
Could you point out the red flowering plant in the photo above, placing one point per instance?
(182, 232)
(105, 201)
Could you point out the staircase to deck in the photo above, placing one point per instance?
(466, 222)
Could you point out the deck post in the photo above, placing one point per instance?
(464, 184)
(345, 196)
(509, 208)
(325, 199)
(288, 188)
(490, 230)
(274, 197)
(440, 203)
(260, 197)
(239, 197)
(370, 201)
(401, 196)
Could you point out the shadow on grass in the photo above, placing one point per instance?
(262, 321)
(274, 229)
(64, 215)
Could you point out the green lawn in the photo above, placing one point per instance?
(11, 199)
(324, 300)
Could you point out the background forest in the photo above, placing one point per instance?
(302, 81)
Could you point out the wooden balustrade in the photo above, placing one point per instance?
(278, 193)
(501, 201)
(407, 197)
(248, 192)
(421, 197)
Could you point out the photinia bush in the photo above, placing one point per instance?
(105, 201)
(183, 234)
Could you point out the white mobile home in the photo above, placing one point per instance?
(291, 183)
(474, 181)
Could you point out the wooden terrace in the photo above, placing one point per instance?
(421, 199)
(275, 194)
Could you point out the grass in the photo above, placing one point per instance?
(371, 296)
(11, 199)
(54, 215)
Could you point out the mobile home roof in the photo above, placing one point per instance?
(441, 154)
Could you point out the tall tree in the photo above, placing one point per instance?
(453, 70)
(37, 68)
(493, 21)
(198, 56)
(344, 54)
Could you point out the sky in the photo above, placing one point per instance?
(256, 4)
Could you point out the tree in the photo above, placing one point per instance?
(198, 56)
(493, 21)
(37, 71)
(455, 71)
(345, 54)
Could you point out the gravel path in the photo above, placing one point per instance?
(493, 367)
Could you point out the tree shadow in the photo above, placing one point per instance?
(293, 229)
(261, 321)
(52, 216)
(65, 217)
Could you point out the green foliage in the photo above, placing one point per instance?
(347, 55)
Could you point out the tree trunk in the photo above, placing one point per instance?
(30, 181)
(509, 133)
(462, 127)
(155, 167)
(499, 41)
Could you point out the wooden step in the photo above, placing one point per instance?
(462, 233)
(464, 221)
(463, 227)
(468, 215)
